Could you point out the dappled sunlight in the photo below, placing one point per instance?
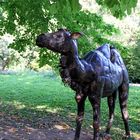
(41, 107)
(53, 110)
(62, 126)
(71, 114)
(137, 136)
(19, 106)
(16, 104)
(135, 119)
(33, 100)
(47, 109)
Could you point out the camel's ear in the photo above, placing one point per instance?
(76, 35)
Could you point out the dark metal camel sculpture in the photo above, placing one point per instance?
(101, 73)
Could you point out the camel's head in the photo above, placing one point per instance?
(61, 41)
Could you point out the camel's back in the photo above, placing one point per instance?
(103, 55)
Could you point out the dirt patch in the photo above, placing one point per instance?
(39, 134)
(15, 128)
(51, 127)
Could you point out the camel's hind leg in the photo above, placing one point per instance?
(111, 104)
(123, 97)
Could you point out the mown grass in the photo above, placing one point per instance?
(33, 96)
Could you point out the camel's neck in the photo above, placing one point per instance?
(71, 60)
(77, 69)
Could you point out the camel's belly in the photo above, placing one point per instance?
(111, 83)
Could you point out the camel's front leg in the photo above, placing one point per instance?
(95, 102)
(80, 99)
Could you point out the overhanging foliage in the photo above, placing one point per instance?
(25, 19)
(118, 8)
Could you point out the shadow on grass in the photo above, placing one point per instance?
(34, 106)
(29, 123)
(26, 123)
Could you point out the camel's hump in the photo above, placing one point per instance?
(105, 51)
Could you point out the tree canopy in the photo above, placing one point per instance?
(25, 19)
(118, 8)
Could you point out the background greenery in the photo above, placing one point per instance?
(25, 19)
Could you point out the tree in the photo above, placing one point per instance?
(4, 54)
(25, 19)
(133, 61)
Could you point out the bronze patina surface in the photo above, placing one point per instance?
(101, 73)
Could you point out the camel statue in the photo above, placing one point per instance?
(101, 73)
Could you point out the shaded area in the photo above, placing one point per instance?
(52, 127)
(39, 107)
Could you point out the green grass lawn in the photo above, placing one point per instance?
(33, 96)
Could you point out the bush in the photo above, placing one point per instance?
(132, 62)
